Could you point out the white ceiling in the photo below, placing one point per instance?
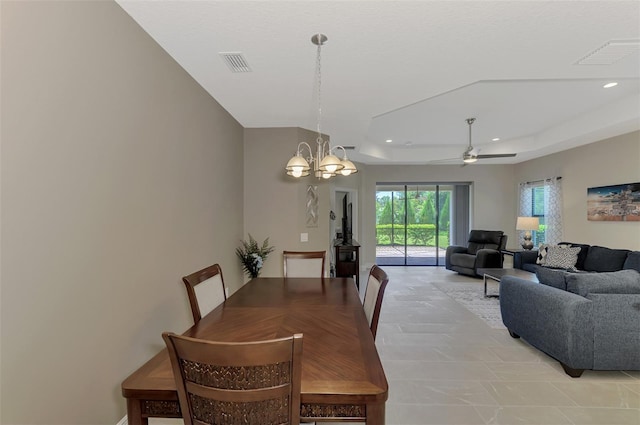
(414, 71)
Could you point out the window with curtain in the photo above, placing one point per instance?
(543, 199)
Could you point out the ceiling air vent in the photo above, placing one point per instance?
(610, 52)
(235, 61)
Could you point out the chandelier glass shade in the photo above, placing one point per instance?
(325, 163)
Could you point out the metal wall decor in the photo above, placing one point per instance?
(312, 206)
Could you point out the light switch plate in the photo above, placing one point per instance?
(304, 237)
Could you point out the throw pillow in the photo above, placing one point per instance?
(582, 255)
(561, 257)
(620, 282)
(551, 277)
(542, 253)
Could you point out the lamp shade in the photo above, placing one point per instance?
(330, 163)
(527, 223)
(349, 167)
(297, 166)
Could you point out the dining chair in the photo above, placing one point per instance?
(304, 263)
(376, 284)
(205, 289)
(227, 383)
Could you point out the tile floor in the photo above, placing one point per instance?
(444, 366)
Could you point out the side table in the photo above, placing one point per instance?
(513, 251)
(348, 260)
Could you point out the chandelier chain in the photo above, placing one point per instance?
(319, 72)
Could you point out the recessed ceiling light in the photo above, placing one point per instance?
(495, 139)
(388, 140)
(609, 85)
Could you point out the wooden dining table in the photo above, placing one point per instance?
(342, 376)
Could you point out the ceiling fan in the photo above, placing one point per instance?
(468, 156)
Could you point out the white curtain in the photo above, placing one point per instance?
(553, 210)
(526, 202)
(552, 207)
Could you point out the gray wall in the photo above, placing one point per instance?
(280, 199)
(119, 175)
(608, 162)
(277, 202)
(492, 205)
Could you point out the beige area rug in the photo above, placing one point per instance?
(471, 296)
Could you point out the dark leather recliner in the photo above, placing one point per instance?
(482, 251)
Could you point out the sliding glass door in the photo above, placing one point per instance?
(390, 225)
(413, 223)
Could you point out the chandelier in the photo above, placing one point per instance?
(325, 163)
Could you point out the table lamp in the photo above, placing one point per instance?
(527, 224)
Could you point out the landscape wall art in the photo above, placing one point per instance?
(614, 203)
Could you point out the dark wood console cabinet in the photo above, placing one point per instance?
(348, 260)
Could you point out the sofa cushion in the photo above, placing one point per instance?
(463, 260)
(561, 257)
(601, 259)
(632, 261)
(481, 239)
(582, 255)
(619, 282)
(530, 267)
(552, 277)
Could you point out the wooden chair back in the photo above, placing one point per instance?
(304, 263)
(228, 383)
(205, 289)
(376, 284)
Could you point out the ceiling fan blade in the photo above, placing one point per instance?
(496, 155)
(443, 161)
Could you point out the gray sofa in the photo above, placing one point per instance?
(590, 258)
(585, 319)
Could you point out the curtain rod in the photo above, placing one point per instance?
(543, 180)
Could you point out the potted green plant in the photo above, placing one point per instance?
(252, 256)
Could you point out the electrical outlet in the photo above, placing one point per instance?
(304, 237)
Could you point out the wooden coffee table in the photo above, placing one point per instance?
(497, 274)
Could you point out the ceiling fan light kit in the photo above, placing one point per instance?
(468, 157)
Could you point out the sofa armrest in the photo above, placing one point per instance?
(557, 322)
(488, 259)
(524, 257)
(453, 249)
(616, 331)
